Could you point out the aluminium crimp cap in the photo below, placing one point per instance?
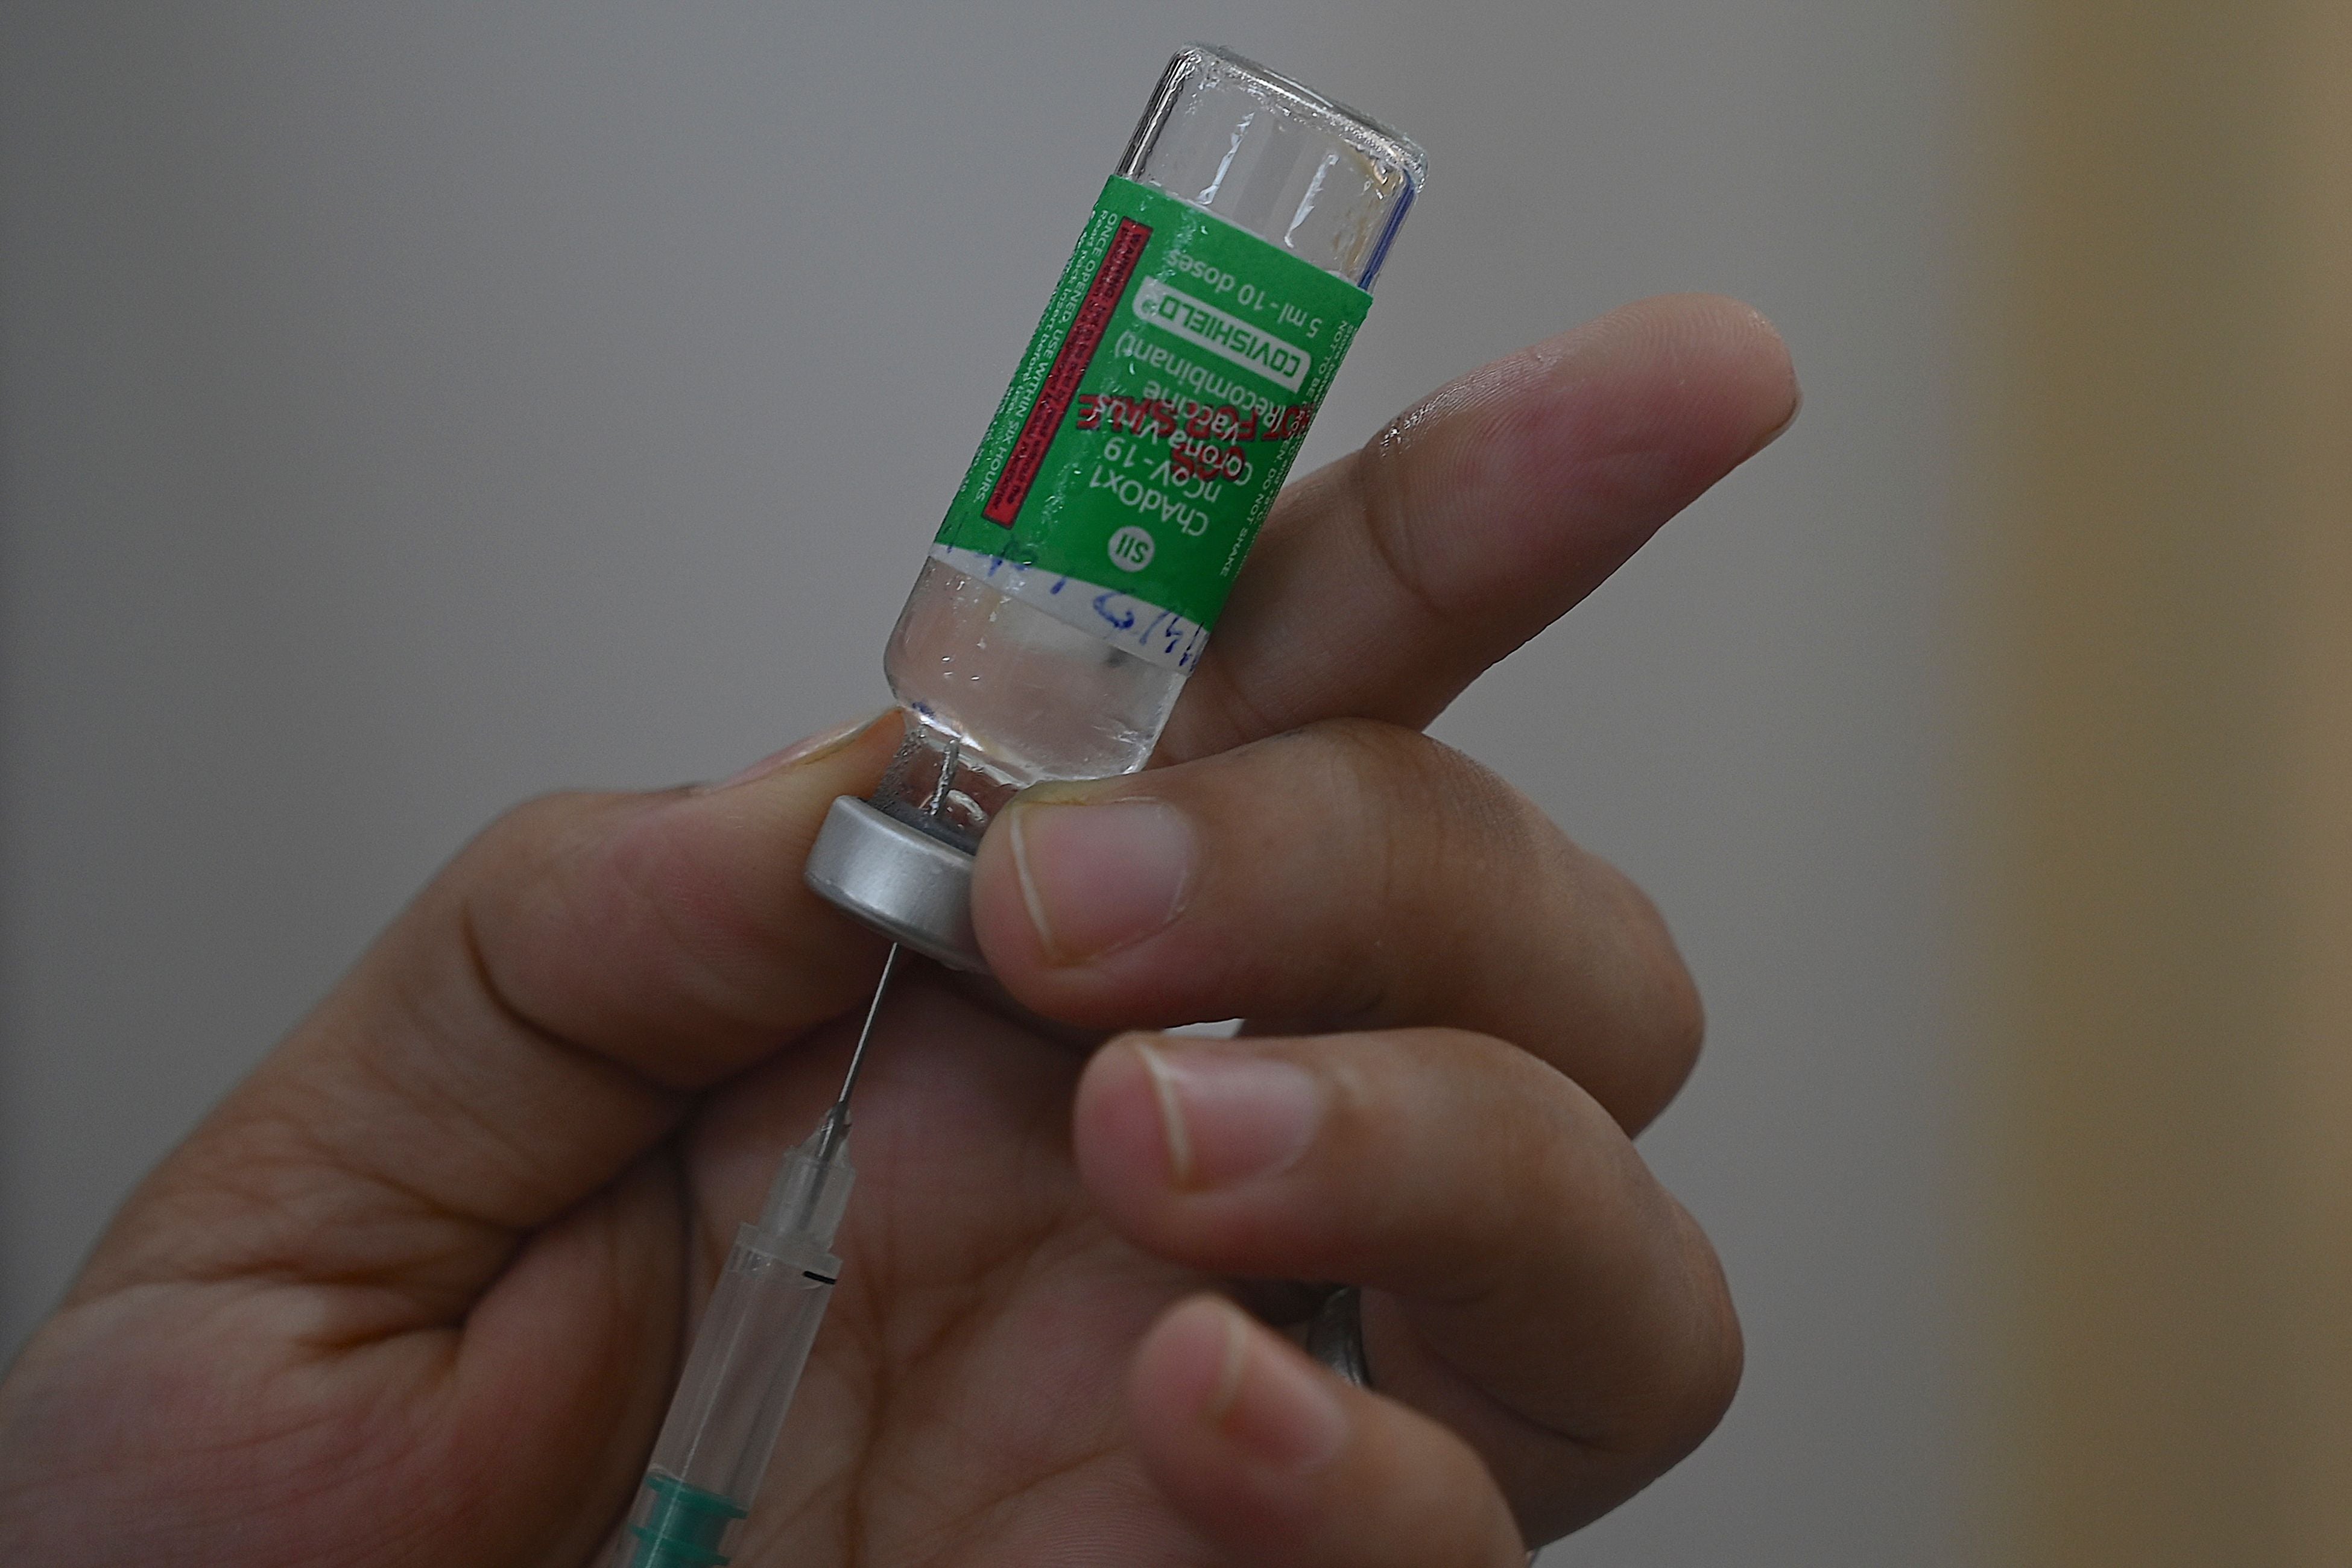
(898, 878)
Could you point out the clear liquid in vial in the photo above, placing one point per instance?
(1030, 696)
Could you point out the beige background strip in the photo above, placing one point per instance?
(2163, 641)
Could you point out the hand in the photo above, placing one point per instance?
(416, 1291)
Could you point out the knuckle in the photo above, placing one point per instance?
(1692, 1368)
(1665, 994)
(1407, 786)
(1682, 1015)
(1640, 994)
(1406, 818)
(506, 876)
(1677, 1015)
(1712, 1362)
(1392, 1101)
(535, 830)
(1535, 1141)
(1724, 1369)
(1380, 474)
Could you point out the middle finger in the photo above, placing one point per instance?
(1350, 875)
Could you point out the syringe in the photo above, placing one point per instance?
(746, 1363)
(756, 1333)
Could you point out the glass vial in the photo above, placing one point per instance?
(1071, 591)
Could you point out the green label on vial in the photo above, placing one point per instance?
(1154, 416)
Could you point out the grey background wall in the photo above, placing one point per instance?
(403, 410)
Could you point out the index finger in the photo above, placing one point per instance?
(1387, 581)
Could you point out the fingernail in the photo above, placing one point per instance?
(1228, 1117)
(1273, 1405)
(1099, 878)
(818, 745)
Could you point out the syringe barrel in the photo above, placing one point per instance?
(749, 1353)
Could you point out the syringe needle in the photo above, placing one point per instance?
(865, 1036)
(838, 1120)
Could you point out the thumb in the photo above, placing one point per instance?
(539, 1017)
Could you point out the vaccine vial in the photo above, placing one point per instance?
(1072, 588)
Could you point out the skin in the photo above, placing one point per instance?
(416, 1291)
